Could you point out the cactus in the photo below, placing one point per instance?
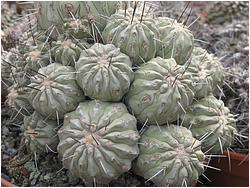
(66, 52)
(134, 34)
(98, 141)
(91, 48)
(99, 12)
(50, 14)
(17, 99)
(40, 134)
(26, 45)
(208, 70)
(169, 156)
(53, 12)
(54, 91)
(160, 92)
(163, 22)
(176, 40)
(104, 73)
(212, 122)
(79, 28)
(36, 60)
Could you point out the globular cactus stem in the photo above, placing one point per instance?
(98, 141)
(212, 122)
(40, 134)
(169, 156)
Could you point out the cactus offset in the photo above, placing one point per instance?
(208, 70)
(169, 156)
(176, 41)
(51, 13)
(160, 92)
(135, 35)
(98, 141)
(54, 91)
(36, 60)
(40, 134)
(211, 120)
(99, 13)
(104, 73)
(18, 99)
(66, 52)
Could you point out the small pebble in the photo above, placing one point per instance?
(11, 151)
(35, 178)
(48, 176)
(5, 131)
(25, 182)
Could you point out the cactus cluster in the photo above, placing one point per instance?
(106, 85)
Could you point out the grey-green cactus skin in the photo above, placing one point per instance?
(163, 23)
(169, 156)
(160, 92)
(136, 38)
(51, 13)
(100, 10)
(18, 99)
(98, 141)
(54, 91)
(104, 73)
(176, 40)
(105, 8)
(48, 15)
(212, 122)
(208, 70)
(40, 134)
(66, 52)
